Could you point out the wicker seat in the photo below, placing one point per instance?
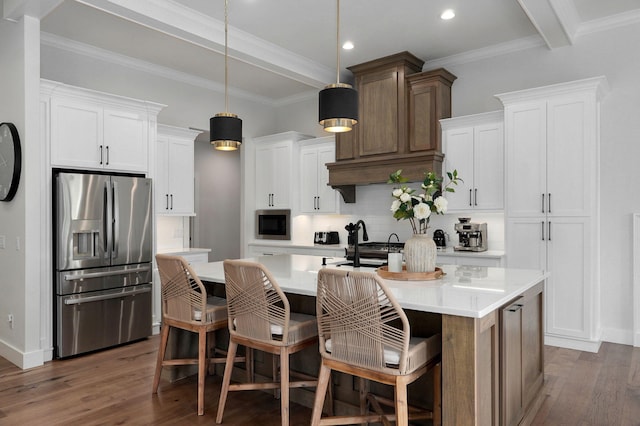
(260, 318)
(185, 305)
(364, 332)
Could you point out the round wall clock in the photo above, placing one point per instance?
(10, 161)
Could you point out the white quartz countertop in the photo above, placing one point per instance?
(468, 291)
(447, 251)
(184, 251)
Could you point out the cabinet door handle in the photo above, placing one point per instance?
(171, 196)
(515, 307)
(318, 202)
(107, 155)
(542, 211)
(475, 197)
(549, 232)
(166, 202)
(549, 195)
(542, 229)
(100, 154)
(470, 198)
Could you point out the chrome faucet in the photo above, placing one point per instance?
(353, 231)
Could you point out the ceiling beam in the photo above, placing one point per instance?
(557, 21)
(194, 27)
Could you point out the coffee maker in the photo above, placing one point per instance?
(471, 236)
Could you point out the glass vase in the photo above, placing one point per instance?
(420, 253)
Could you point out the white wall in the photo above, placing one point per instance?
(612, 53)
(218, 201)
(21, 260)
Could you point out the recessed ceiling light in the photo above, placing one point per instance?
(347, 45)
(447, 14)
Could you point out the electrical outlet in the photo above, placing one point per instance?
(10, 320)
(18, 243)
(3, 242)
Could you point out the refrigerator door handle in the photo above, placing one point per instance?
(76, 300)
(74, 277)
(116, 219)
(107, 221)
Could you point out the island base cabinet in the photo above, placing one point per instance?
(521, 356)
(469, 370)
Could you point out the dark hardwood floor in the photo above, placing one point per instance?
(114, 387)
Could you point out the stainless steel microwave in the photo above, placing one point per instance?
(273, 224)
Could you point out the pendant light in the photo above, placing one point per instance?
(225, 128)
(338, 103)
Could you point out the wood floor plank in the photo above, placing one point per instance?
(113, 387)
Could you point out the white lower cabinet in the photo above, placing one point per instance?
(269, 250)
(470, 260)
(175, 171)
(552, 186)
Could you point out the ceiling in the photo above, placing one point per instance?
(283, 49)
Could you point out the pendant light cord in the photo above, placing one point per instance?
(338, 42)
(226, 54)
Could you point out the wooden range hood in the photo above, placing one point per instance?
(399, 128)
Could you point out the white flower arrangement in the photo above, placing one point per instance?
(418, 207)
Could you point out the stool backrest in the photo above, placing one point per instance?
(255, 303)
(362, 319)
(184, 297)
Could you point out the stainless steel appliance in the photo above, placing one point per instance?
(273, 224)
(102, 246)
(439, 237)
(471, 236)
(331, 237)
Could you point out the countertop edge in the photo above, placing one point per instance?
(184, 250)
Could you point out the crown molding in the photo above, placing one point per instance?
(486, 52)
(609, 23)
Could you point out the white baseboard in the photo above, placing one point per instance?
(569, 343)
(23, 360)
(617, 335)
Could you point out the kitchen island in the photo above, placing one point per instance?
(491, 324)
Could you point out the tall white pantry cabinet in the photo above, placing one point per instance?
(552, 197)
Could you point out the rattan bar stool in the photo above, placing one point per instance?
(185, 305)
(260, 318)
(364, 332)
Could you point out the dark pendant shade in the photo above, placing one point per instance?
(338, 108)
(226, 131)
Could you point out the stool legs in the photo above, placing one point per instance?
(321, 390)
(161, 351)
(226, 380)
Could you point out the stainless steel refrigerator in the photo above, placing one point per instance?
(102, 246)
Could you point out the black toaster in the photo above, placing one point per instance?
(331, 237)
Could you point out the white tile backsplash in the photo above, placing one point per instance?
(172, 232)
(373, 204)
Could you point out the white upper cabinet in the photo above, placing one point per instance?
(552, 182)
(174, 173)
(94, 130)
(474, 146)
(315, 195)
(274, 169)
